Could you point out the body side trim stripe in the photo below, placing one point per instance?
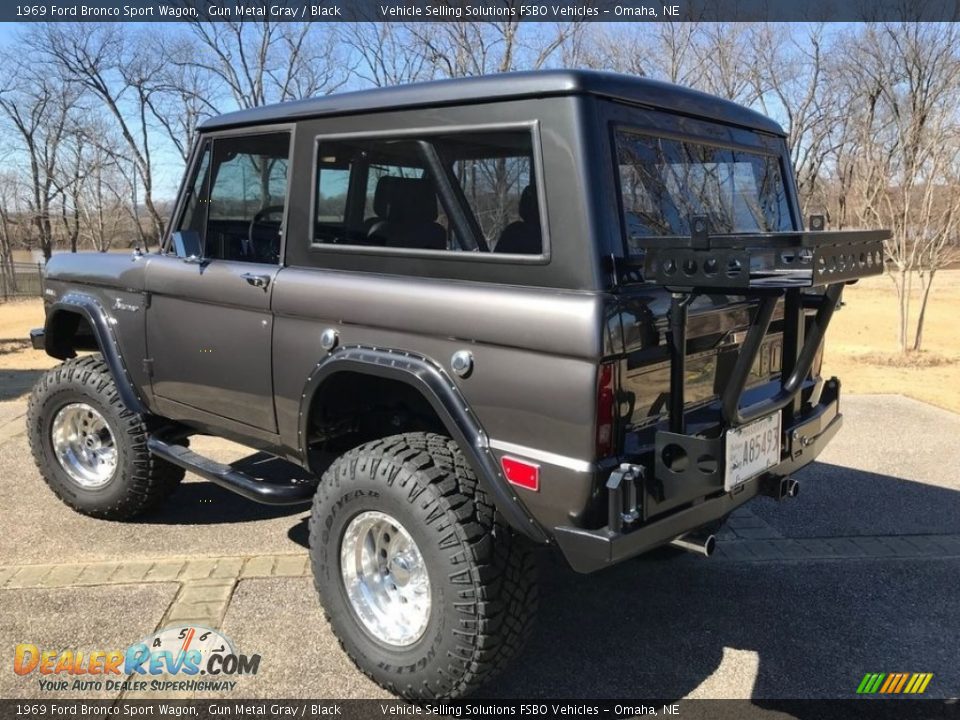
(575, 464)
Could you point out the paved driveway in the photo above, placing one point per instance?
(859, 574)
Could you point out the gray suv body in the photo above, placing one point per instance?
(571, 308)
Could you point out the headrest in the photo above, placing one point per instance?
(409, 200)
(529, 210)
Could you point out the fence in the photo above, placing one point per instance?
(21, 280)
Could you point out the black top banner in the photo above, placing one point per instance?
(481, 10)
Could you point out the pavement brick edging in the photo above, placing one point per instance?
(228, 570)
(185, 570)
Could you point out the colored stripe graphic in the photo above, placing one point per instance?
(894, 683)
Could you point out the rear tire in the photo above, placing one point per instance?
(90, 449)
(417, 492)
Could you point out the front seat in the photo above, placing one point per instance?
(523, 237)
(407, 212)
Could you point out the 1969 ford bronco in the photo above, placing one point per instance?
(566, 308)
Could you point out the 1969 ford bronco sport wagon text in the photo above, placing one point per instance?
(566, 308)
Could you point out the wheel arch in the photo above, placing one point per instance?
(70, 318)
(429, 380)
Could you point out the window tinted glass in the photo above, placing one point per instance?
(333, 182)
(404, 193)
(665, 182)
(248, 191)
(195, 211)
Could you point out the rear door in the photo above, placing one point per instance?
(669, 170)
(209, 322)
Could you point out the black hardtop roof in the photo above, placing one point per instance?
(505, 86)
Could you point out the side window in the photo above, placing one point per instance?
(458, 192)
(333, 183)
(247, 197)
(195, 210)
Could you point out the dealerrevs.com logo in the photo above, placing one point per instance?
(181, 658)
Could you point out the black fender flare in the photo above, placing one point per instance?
(445, 398)
(90, 308)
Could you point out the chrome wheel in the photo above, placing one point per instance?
(385, 578)
(84, 445)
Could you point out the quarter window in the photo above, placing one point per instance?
(466, 192)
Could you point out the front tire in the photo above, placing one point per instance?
(427, 589)
(90, 449)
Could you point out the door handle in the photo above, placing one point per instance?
(260, 281)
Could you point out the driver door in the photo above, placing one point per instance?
(209, 322)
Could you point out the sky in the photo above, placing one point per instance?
(168, 166)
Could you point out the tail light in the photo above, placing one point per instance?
(606, 408)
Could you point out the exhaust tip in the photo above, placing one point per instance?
(699, 545)
(793, 488)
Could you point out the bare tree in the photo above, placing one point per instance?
(903, 91)
(120, 70)
(266, 61)
(792, 81)
(183, 93)
(8, 212)
(103, 202)
(36, 106)
(464, 48)
(69, 180)
(718, 58)
(388, 54)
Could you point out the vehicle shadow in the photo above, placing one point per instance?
(17, 383)
(205, 503)
(666, 626)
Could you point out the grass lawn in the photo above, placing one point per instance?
(861, 344)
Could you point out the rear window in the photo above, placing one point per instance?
(665, 182)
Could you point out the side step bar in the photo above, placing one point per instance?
(228, 477)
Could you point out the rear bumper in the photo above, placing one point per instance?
(590, 550)
(38, 339)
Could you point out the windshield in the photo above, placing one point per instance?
(664, 182)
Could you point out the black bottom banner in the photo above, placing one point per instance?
(363, 709)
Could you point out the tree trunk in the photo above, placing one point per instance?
(903, 307)
(927, 284)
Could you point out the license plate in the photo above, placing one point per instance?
(751, 449)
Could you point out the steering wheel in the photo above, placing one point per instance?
(260, 219)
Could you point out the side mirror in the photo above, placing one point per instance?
(187, 245)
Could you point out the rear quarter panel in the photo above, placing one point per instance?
(535, 358)
(535, 328)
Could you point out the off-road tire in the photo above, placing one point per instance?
(140, 481)
(482, 574)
